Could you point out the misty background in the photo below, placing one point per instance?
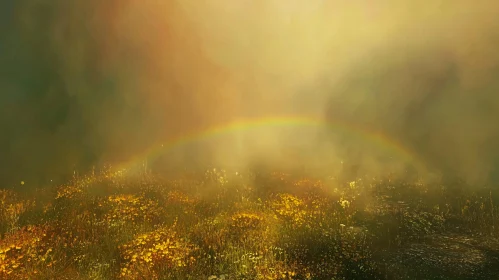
(84, 83)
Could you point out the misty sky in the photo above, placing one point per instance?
(87, 82)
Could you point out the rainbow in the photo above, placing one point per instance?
(374, 137)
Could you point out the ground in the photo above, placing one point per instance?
(446, 256)
(248, 225)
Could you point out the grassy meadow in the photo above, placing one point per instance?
(265, 225)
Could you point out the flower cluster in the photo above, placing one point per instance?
(344, 203)
(290, 207)
(246, 221)
(151, 253)
(11, 208)
(129, 207)
(69, 192)
(24, 249)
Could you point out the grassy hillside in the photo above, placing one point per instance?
(221, 225)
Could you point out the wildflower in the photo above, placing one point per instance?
(291, 208)
(159, 247)
(344, 203)
(246, 220)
